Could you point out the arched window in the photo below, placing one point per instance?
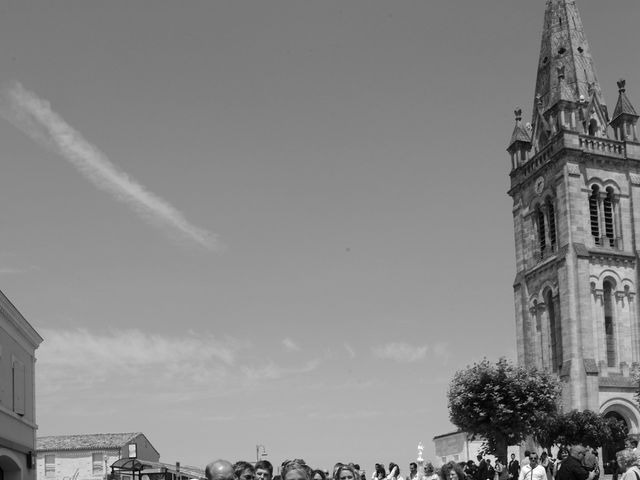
(542, 238)
(555, 331)
(593, 127)
(608, 323)
(594, 216)
(609, 230)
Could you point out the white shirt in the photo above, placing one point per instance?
(539, 473)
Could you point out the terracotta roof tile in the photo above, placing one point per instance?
(93, 441)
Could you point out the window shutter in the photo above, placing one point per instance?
(18, 387)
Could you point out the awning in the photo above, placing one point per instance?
(130, 465)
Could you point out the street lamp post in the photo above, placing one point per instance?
(258, 455)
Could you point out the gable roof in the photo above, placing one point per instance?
(94, 441)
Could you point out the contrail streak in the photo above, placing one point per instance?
(35, 118)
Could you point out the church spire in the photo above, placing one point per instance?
(564, 48)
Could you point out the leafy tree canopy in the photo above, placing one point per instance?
(580, 427)
(501, 402)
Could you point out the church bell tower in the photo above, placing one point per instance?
(575, 184)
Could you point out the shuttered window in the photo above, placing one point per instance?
(50, 466)
(18, 387)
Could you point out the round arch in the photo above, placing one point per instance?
(10, 465)
(626, 409)
(620, 409)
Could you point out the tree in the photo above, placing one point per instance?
(501, 402)
(580, 427)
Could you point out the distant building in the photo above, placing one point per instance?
(89, 457)
(461, 447)
(18, 342)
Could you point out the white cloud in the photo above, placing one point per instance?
(350, 350)
(401, 352)
(16, 270)
(80, 365)
(290, 345)
(442, 351)
(36, 119)
(272, 371)
(75, 361)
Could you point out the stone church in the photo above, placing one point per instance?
(575, 184)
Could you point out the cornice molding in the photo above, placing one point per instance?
(15, 318)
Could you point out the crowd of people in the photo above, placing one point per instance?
(573, 463)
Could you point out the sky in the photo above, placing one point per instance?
(279, 223)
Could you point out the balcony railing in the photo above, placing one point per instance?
(602, 145)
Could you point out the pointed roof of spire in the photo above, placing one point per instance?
(565, 66)
(520, 131)
(624, 106)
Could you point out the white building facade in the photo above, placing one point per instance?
(18, 342)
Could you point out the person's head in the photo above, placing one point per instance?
(318, 475)
(413, 467)
(336, 467)
(347, 472)
(479, 457)
(526, 453)
(395, 473)
(264, 470)
(543, 456)
(488, 461)
(513, 456)
(634, 443)
(563, 453)
(428, 469)
(577, 451)
(243, 470)
(219, 470)
(533, 459)
(295, 470)
(626, 458)
(451, 471)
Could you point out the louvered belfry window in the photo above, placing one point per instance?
(552, 224)
(608, 217)
(542, 239)
(593, 214)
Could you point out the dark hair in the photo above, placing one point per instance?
(265, 465)
(527, 453)
(240, 466)
(380, 471)
(413, 464)
(446, 469)
(392, 466)
(319, 472)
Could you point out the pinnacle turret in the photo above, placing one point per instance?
(520, 143)
(624, 115)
